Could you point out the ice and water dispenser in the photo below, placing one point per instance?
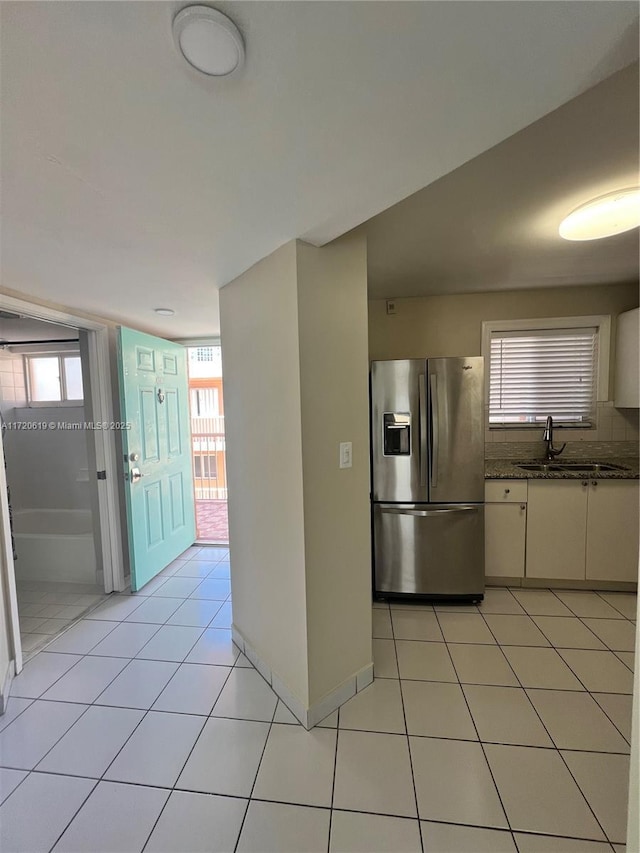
(396, 429)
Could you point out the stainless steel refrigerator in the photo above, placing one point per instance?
(427, 445)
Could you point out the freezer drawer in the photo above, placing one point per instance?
(429, 549)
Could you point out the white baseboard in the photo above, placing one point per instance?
(309, 717)
(5, 689)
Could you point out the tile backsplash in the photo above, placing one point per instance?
(616, 434)
(12, 385)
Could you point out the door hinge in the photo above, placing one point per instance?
(102, 475)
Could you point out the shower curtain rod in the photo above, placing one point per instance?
(28, 343)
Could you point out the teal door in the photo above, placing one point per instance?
(154, 398)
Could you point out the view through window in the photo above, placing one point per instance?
(208, 443)
(54, 378)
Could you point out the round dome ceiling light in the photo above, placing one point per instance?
(165, 312)
(208, 40)
(610, 214)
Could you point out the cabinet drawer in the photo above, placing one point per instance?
(505, 491)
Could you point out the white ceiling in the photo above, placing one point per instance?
(132, 182)
(492, 224)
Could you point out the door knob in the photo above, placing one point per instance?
(134, 475)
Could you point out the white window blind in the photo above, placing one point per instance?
(543, 372)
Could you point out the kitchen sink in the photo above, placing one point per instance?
(566, 467)
(590, 467)
(540, 466)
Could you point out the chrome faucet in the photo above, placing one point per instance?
(547, 436)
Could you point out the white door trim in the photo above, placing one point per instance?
(106, 455)
(9, 576)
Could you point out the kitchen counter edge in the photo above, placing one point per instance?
(507, 469)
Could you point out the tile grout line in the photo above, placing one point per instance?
(559, 752)
(473, 722)
(255, 778)
(327, 808)
(333, 781)
(75, 815)
(144, 716)
(72, 624)
(406, 729)
(208, 717)
(147, 711)
(599, 592)
(95, 703)
(588, 627)
(543, 688)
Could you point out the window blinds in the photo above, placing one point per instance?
(543, 372)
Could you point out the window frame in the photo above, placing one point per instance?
(209, 457)
(602, 322)
(60, 354)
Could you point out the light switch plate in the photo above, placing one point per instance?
(346, 454)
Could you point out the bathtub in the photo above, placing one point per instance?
(54, 545)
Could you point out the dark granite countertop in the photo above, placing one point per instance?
(507, 469)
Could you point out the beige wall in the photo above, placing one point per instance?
(332, 316)
(452, 325)
(260, 354)
(294, 348)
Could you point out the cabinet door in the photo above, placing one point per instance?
(505, 529)
(612, 530)
(556, 529)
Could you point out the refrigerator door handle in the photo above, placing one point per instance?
(426, 513)
(424, 456)
(433, 385)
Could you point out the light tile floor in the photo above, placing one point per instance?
(143, 728)
(47, 608)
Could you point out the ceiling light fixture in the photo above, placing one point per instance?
(208, 40)
(165, 312)
(613, 213)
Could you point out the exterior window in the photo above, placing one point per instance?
(534, 373)
(54, 379)
(206, 467)
(203, 353)
(204, 402)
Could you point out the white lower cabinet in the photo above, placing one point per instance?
(564, 530)
(612, 530)
(505, 527)
(556, 529)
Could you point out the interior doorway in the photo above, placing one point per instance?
(93, 468)
(49, 460)
(206, 402)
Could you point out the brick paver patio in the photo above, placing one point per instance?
(212, 520)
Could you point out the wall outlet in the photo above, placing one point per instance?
(391, 306)
(346, 454)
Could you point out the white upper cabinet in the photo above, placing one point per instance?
(627, 384)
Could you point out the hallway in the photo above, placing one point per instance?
(502, 728)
